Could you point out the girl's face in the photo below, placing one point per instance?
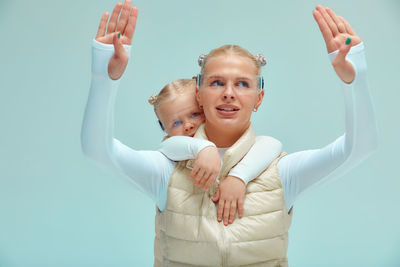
(181, 115)
(229, 93)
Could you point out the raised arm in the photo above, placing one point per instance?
(305, 169)
(148, 170)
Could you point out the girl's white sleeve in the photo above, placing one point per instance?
(261, 154)
(179, 148)
(148, 170)
(303, 170)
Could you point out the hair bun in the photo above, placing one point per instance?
(261, 60)
(153, 99)
(202, 59)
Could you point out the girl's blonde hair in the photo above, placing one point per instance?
(258, 60)
(171, 91)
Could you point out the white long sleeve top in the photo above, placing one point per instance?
(150, 170)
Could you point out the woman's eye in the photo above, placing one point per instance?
(217, 83)
(177, 123)
(195, 114)
(243, 84)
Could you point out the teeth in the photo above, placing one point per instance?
(227, 109)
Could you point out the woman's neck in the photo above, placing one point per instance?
(223, 136)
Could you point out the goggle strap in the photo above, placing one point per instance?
(162, 126)
(198, 80)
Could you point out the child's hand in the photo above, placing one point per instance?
(206, 167)
(231, 193)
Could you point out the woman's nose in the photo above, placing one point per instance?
(228, 93)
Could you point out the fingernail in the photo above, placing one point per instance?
(348, 40)
(119, 35)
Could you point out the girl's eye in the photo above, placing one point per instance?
(194, 114)
(243, 84)
(177, 123)
(217, 83)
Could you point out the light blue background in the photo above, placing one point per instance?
(58, 208)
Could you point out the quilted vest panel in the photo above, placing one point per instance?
(188, 233)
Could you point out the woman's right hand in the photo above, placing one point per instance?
(119, 32)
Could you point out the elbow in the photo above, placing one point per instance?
(88, 144)
(85, 146)
(373, 143)
(95, 151)
(371, 148)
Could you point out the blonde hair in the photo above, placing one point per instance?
(171, 91)
(258, 60)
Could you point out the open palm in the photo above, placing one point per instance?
(335, 31)
(118, 32)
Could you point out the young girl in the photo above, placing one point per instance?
(179, 116)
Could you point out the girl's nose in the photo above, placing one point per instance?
(188, 126)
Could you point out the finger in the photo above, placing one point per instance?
(194, 172)
(118, 47)
(114, 17)
(216, 196)
(199, 176)
(232, 212)
(123, 18)
(101, 31)
(349, 29)
(339, 23)
(130, 27)
(220, 210)
(210, 180)
(341, 55)
(226, 212)
(240, 207)
(204, 180)
(323, 27)
(328, 20)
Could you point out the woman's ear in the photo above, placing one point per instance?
(260, 97)
(198, 97)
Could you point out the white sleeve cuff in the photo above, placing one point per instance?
(357, 58)
(101, 54)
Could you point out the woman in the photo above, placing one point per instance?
(187, 232)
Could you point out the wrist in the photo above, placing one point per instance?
(236, 178)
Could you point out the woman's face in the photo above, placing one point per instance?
(229, 92)
(181, 115)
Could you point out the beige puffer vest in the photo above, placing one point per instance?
(188, 233)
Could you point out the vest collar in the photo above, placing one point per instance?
(234, 154)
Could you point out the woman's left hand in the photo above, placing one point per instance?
(336, 30)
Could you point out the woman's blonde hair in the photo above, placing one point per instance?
(258, 60)
(171, 91)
